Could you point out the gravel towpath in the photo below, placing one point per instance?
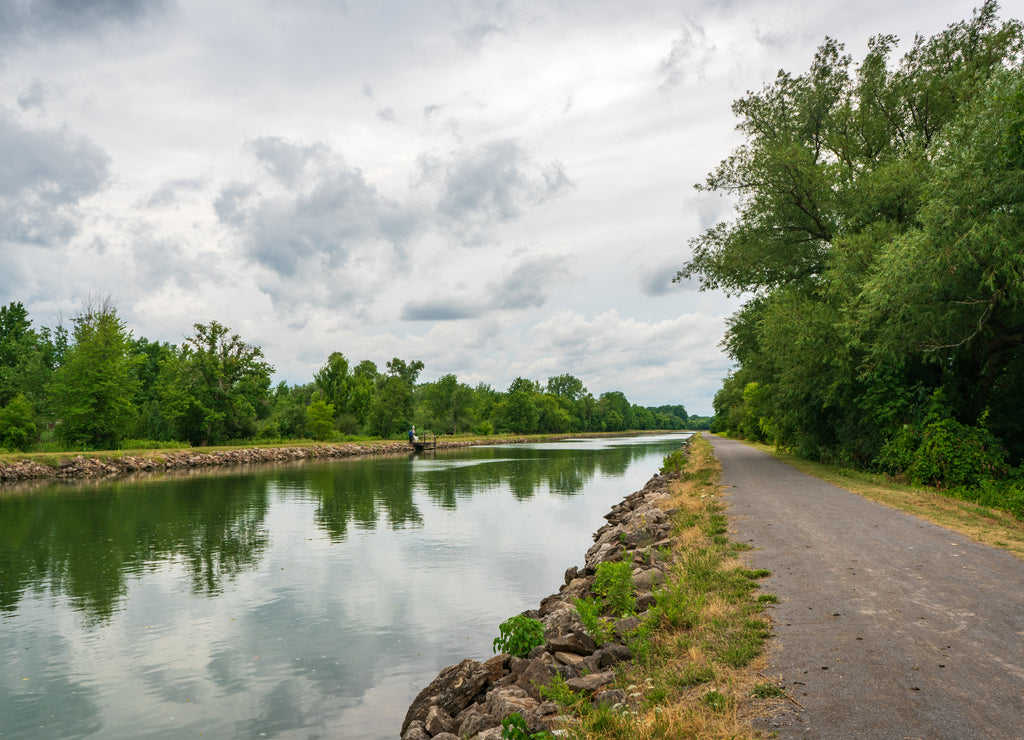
(887, 626)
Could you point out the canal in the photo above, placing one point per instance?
(310, 600)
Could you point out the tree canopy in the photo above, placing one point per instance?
(878, 239)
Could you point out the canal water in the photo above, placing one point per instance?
(304, 601)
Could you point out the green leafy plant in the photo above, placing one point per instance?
(514, 727)
(614, 584)
(767, 691)
(519, 635)
(595, 625)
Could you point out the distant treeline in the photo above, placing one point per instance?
(879, 242)
(95, 386)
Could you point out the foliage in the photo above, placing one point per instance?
(18, 425)
(320, 419)
(614, 584)
(93, 389)
(879, 242)
(514, 727)
(519, 635)
(215, 387)
(599, 628)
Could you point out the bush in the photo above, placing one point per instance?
(944, 453)
(18, 425)
(519, 635)
(614, 584)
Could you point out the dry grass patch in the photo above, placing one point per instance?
(980, 523)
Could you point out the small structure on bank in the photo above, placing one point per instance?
(422, 444)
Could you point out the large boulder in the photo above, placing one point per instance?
(452, 690)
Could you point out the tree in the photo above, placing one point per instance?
(215, 387)
(566, 386)
(877, 240)
(392, 407)
(334, 381)
(449, 400)
(18, 425)
(320, 419)
(94, 390)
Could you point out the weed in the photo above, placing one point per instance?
(559, 692)
(767, 599)
(514, 727)
(519, 635)
(716, 702)
(599, 628)
(614, 584)
(767, 691)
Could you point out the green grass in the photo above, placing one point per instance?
(696, 652)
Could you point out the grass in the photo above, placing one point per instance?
(699, 648)
(980, 523)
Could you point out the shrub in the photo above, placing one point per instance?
(519, 635)
(614, 584)
(18, 424)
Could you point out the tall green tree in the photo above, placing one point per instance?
(216, 387)
(94, 389)
(449, 401)
(874, 239)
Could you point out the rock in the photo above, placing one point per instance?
(496, 666)
(609, 698)
(503, 702)
(415, 731)
(572, 659)
(492, 734)
(645, 600)
(438, 721)
(478, 723)
(551, 604)
(538, 673)
(626, 625)
(611, 654)
(574, 642)
(592, 682)
(646, 580)
(570, 574)
(452, 690)
(565, 621)
(446, 736)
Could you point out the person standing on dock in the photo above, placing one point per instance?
(412, 435)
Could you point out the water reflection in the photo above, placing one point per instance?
(85, 544)
(311, 599)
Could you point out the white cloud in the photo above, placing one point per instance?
(496, 188)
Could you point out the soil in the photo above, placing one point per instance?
(887, 626)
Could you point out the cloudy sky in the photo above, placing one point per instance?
(498, 188)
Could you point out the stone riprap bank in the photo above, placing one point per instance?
(470, 699)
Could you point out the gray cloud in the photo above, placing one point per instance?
(528, 285)
(688, 58)
(35, 95)
(328, 212)
(440, 309)
(286, 161)
(491, 185)
(172, 191)
(47, 18)
(44, 176)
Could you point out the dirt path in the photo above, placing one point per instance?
(887, 626)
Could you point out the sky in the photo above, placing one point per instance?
(497, 188)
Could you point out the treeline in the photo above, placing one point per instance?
(95, 386)
(879, 240)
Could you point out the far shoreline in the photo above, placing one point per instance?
(107, 464)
